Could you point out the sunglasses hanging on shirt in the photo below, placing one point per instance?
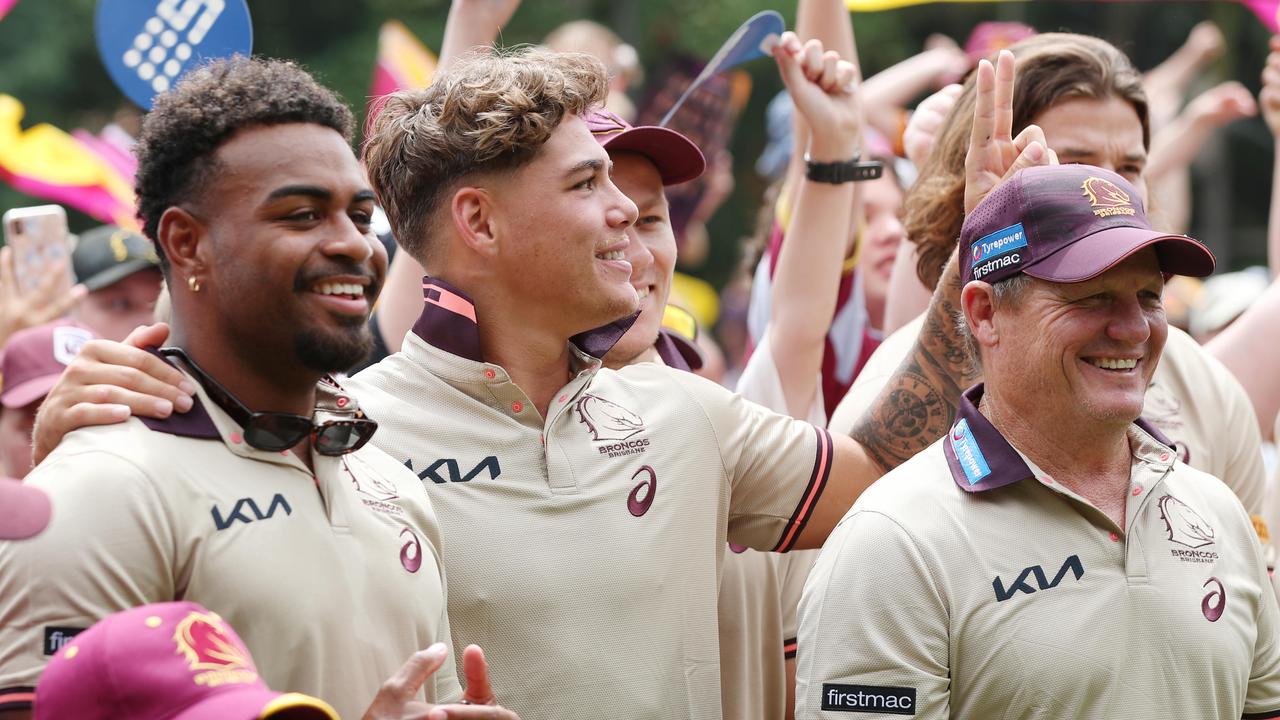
(277, 431)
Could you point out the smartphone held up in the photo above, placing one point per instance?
(40, 241)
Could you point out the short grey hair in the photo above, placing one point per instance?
(1006, 292)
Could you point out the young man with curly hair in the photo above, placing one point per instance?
(586, 509)
(592, 505)
(324, 553)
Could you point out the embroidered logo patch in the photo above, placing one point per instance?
(999, 250)
(1106, 198)
(1183, 526)
(212, 653)
(869, 699)
(972, 461)
(606, 420)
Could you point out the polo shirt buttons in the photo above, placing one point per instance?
(1137, 490)
(490, 374)
(1047, 480)
(1115, 537)
(517, 406)
(563, 398)
(1164, 457)
(235, 438)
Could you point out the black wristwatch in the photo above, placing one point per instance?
(843, 172)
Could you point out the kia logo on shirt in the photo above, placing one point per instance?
(454, 470)
(1072, 565)
(247, 511)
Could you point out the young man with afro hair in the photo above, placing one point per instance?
(261, 501)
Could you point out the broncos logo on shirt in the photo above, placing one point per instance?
(607, 420)
(1184, 526)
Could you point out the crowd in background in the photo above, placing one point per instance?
(832, 299)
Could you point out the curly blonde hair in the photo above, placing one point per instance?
(1052, 68)
(491, 111)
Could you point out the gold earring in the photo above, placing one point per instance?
(193, 282)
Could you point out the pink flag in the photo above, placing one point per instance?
(78, 172)
(403, 61)
(109, 148)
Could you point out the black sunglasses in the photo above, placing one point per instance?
(276, 431)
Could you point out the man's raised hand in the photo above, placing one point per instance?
(994, 154)
(823, 87)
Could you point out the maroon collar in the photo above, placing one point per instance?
(194, 423)
(197, 423)
(979, 456)
(678, 351)
(448, 321)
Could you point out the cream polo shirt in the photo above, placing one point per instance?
(759, 591)
(1193, 400)
(967, 584)
(333, 580)
(584, 548)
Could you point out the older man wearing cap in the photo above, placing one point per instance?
(1051, 555)
(33, 360)
(121, 271)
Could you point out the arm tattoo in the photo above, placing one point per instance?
(918, 404)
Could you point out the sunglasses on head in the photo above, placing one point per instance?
(277, 431)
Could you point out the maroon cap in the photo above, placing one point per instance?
(1067, 224)
(34, 359)
(24, 510)
(166, 661)
(677, 158)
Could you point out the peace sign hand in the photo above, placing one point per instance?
(994, 155)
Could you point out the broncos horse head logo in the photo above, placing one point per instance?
(1182, 523)
(1104, 193)
(607, 420)
(206, 643)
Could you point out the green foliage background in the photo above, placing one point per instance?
(48, 61)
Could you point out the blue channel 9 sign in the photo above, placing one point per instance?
(147, 45)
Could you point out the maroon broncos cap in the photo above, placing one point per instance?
(1067, 224)
(164, 661)
(677, 158)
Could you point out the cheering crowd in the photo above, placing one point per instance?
(970, 466)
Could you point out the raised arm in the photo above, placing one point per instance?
(807, 278)
(886, 95)
(918, 404)
(908, 297)
(471, 24)
(1246, 346)
(828, 22)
